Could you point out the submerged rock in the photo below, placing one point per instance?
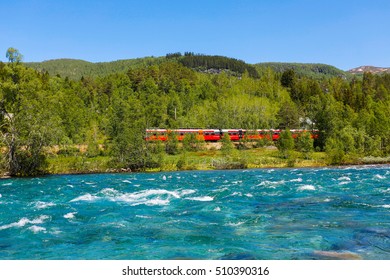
(238, 256)
(334, 255)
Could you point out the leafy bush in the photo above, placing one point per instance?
(69, 151)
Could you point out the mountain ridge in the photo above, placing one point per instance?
(371, 69)
(77, 68)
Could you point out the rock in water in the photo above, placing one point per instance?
(333, 255)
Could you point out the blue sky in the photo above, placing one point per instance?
(345, 34)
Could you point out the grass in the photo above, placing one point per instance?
(251, 158)
(71, 164)
(266, 157)
(201, 160)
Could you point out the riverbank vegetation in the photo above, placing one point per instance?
(55, 124)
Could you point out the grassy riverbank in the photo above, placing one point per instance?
(212, 159)
(201, 160)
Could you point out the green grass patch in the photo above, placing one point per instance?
(201, 160)
(78, 164)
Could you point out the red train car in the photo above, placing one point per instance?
(159, 134)
(212, 135)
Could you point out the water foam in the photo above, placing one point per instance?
(186, 192)
(377, 176)
(85, 197)
(235, 224)
(344, 178)
(271, 184)
(296, 180)
(306, 188)
(201, 198)
(147, 197)
(25, 221)
(344, 183)
(70, 215)
(153, 202)
(43, 205)
(143, 217)
(36, 229)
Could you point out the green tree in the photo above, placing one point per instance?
(304, 144)
(288, 78)
(28, 122)
(334, 151)
(172, 143)
(343, 147)
(227, 146)
(193, 142)
(288, 115)
(285, 143)
(13, 55)
(127, 131)
(93, 149)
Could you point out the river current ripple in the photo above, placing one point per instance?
(283, 214)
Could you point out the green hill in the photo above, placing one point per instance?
(312, 70)
(75, 69)
(217, 64)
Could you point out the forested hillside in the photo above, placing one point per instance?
(312, 70)
(109, 114)
(75, 69)
(216, 64)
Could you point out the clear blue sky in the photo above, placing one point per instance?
(345, 34)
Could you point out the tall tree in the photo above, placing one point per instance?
(285, 143)
(14, 55)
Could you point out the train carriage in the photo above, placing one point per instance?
(213, 135)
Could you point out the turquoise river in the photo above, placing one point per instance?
(282, 214)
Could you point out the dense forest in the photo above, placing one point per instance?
(75, 69)
(109, 114)
(312, 70)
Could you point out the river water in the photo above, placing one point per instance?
(283, 214)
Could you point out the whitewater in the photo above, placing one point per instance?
(284, 214)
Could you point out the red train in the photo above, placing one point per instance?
(217, 134)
